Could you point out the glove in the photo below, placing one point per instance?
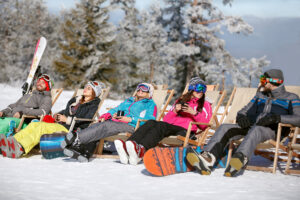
(268, 120)
(243, 121)
(105, 116)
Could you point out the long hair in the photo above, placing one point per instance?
(187, 97)
(82, 100)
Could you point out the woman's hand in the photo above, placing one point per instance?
(177, 108)
(60, 118)
(124, 119)
(186, 108)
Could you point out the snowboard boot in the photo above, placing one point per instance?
(69, 139)
(78, 152)
(236, 164)
(122, 151)
(15, 148)
(12, 126)
(135, 151)
(4, 146)
(202, 162)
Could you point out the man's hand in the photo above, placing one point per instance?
(1, 114)
(243, 121)
(269, 120)
(17, 115)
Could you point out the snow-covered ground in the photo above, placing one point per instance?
(63, 178)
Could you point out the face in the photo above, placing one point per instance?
(197, 94)
(142, 95)
(41, 85)
(88, 91)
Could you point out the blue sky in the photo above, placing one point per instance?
(276, 31)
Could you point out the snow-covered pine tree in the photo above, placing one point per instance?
(86, 46)
(22, 23)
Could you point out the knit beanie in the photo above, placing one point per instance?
(96, 86)
(196, 80)
(276, 74)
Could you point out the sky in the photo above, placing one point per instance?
(276, 33)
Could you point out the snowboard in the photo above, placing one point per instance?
(50, 145)
(39, 50)
(171, 160)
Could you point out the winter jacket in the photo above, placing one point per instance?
(280, 102)
(37, 103)
(142, 109)
(86, 110)
(183, 119)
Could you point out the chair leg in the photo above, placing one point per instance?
(230, 149)
(277, 148)
(99, 150)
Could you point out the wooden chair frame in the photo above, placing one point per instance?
(55, 93)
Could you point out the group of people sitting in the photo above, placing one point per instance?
(256, 122)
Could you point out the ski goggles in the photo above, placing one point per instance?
(198, 88)
(143, 87)
(47, 78)
(264, 80)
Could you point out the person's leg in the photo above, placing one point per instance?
(143, 130)
(159, 131)
(102, 130)
(256, 135)
(30, 136)
(242, 155)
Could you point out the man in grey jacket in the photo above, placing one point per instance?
(256, 122)
(37, 103)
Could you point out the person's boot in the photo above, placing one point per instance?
(236, 164)
(77, 151)
(122, 151)
(12, 126)
(135, 151)
(4, 146)
(69, 139)
(202, 162)
(15, 148)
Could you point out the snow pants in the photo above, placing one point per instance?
(102, 130)
(30, 136)
(228, 132)
(152, 132)
(4, 124)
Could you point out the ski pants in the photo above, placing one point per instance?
(4, 124)
(228, 132)
(153, 131)
(30, 136)
(102, 130)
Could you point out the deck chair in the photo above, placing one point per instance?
(103, 96)
(162, 97)
(266, 149)
(55, 93)
(216, 97)
(293, 148)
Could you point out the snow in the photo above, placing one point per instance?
(64, 178)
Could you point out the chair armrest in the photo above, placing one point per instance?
(138, 123)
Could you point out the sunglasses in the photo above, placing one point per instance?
(264, 80)
(143, 87)
(198, 88)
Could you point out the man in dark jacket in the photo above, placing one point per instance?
(256, 122)
(37, 103)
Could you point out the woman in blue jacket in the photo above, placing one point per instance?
(122, 118)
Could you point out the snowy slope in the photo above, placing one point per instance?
(63, 178)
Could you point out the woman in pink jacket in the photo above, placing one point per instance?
(190, 107)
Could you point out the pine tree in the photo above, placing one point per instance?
(22, 23)
(86, 46)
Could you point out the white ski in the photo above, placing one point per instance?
(39, 50)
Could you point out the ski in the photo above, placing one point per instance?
(39, 50)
